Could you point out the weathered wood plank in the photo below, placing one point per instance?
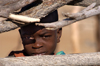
(53, 60)
(43, 9)
(40, 9)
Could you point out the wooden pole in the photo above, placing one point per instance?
(98, 34)
(53, 60)
(75, 33)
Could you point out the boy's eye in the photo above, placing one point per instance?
(46, 36)
(25, 37)
(28, 37)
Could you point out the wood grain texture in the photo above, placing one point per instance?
(53, 60)
(37, 9)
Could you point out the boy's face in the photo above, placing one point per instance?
(39, 41)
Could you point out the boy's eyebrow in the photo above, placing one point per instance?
(44, 33)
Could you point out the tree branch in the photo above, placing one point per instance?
(39, 9)
(43, 9)
(24, 19)
(53, 60)
(87, 12)
(86, 3)
(9, 8)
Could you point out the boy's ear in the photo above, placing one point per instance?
(20, 31)
(59, 33)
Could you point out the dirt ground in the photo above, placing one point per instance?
(86, 37)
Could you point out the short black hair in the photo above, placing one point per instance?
(52, 17)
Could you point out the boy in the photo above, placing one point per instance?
(37, 40)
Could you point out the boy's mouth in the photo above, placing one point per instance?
(43, 53)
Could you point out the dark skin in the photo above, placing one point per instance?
(39, 41)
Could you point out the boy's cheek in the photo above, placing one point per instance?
(51, 47)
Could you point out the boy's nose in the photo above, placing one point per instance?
(37, 44)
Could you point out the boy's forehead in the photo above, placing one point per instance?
(30, 29)
(36, 30)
